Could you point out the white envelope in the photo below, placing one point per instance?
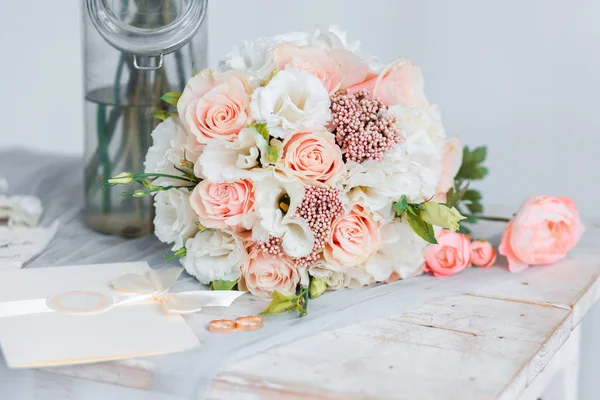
(55, 338)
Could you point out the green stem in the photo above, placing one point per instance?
(488, 218)
(148, 175)
(103, 154)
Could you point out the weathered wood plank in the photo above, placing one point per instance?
(467, 345)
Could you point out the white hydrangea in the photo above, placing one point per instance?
(169, 146)
(256, 58)
(175, 221)
(214, 255)
(411, 168)
(338, 277)
(293, 100)
(401, 251)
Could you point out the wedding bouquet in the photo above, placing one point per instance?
(302, 164)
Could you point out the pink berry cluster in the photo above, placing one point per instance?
(360, 130)
(319, 207)
(271, 246)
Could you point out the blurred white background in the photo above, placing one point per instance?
(522, 76)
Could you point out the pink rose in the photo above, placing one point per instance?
(544, 229)
(452, 254)
(313, 157)
(353, 239)
(222, 205)
(337, 69)
(483, 253)
(215, 105)
(451, 163)
(400, 83)
(263, 273)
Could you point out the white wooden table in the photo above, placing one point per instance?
(515, 340)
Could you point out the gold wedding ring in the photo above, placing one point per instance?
(249, 323)
(221, 326)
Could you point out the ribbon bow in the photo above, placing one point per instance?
(156, 287)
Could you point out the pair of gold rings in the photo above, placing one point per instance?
(247, 323)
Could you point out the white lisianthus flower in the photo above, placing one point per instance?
(271, 193)
(293, 100)
(225, 161)
(175, 221)
(255, 59)
(401, 253)
(214, 255)
(170, 143)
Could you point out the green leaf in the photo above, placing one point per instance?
(171, 97)
(278, 307)
(400, 206)
(262, 129)
(475, 208)
(478, 155)
(176, 254)
(223, 285)
(471, 195)
(280, 296)
(161, 114)
(420, 227)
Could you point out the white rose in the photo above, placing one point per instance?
(170, 143)
(297, 238)
(293, 100)
(255, 59)
(175, 221)
(214, 255)
(225, 161)
(401, 251)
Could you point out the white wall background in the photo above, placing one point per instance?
(522, 76)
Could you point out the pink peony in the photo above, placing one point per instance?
(544, 229)
(400, 83)
(337, 69)
(222, 205)
(353, 239)
(215, 105)
(483, 253)
(313, 157)
(263, 273)
(452, 254)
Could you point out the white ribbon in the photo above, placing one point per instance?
(138, 288)
(157, 285)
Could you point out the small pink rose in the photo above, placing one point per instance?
(452, 254)
(483, 253)
(400, 83)
(337, 69)
(544, 229)
(353, 239)
(215, 105)
(222, 205)
(451, 163)
(263, 273)
(313, 157)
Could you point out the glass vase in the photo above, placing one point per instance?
(123, 90)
